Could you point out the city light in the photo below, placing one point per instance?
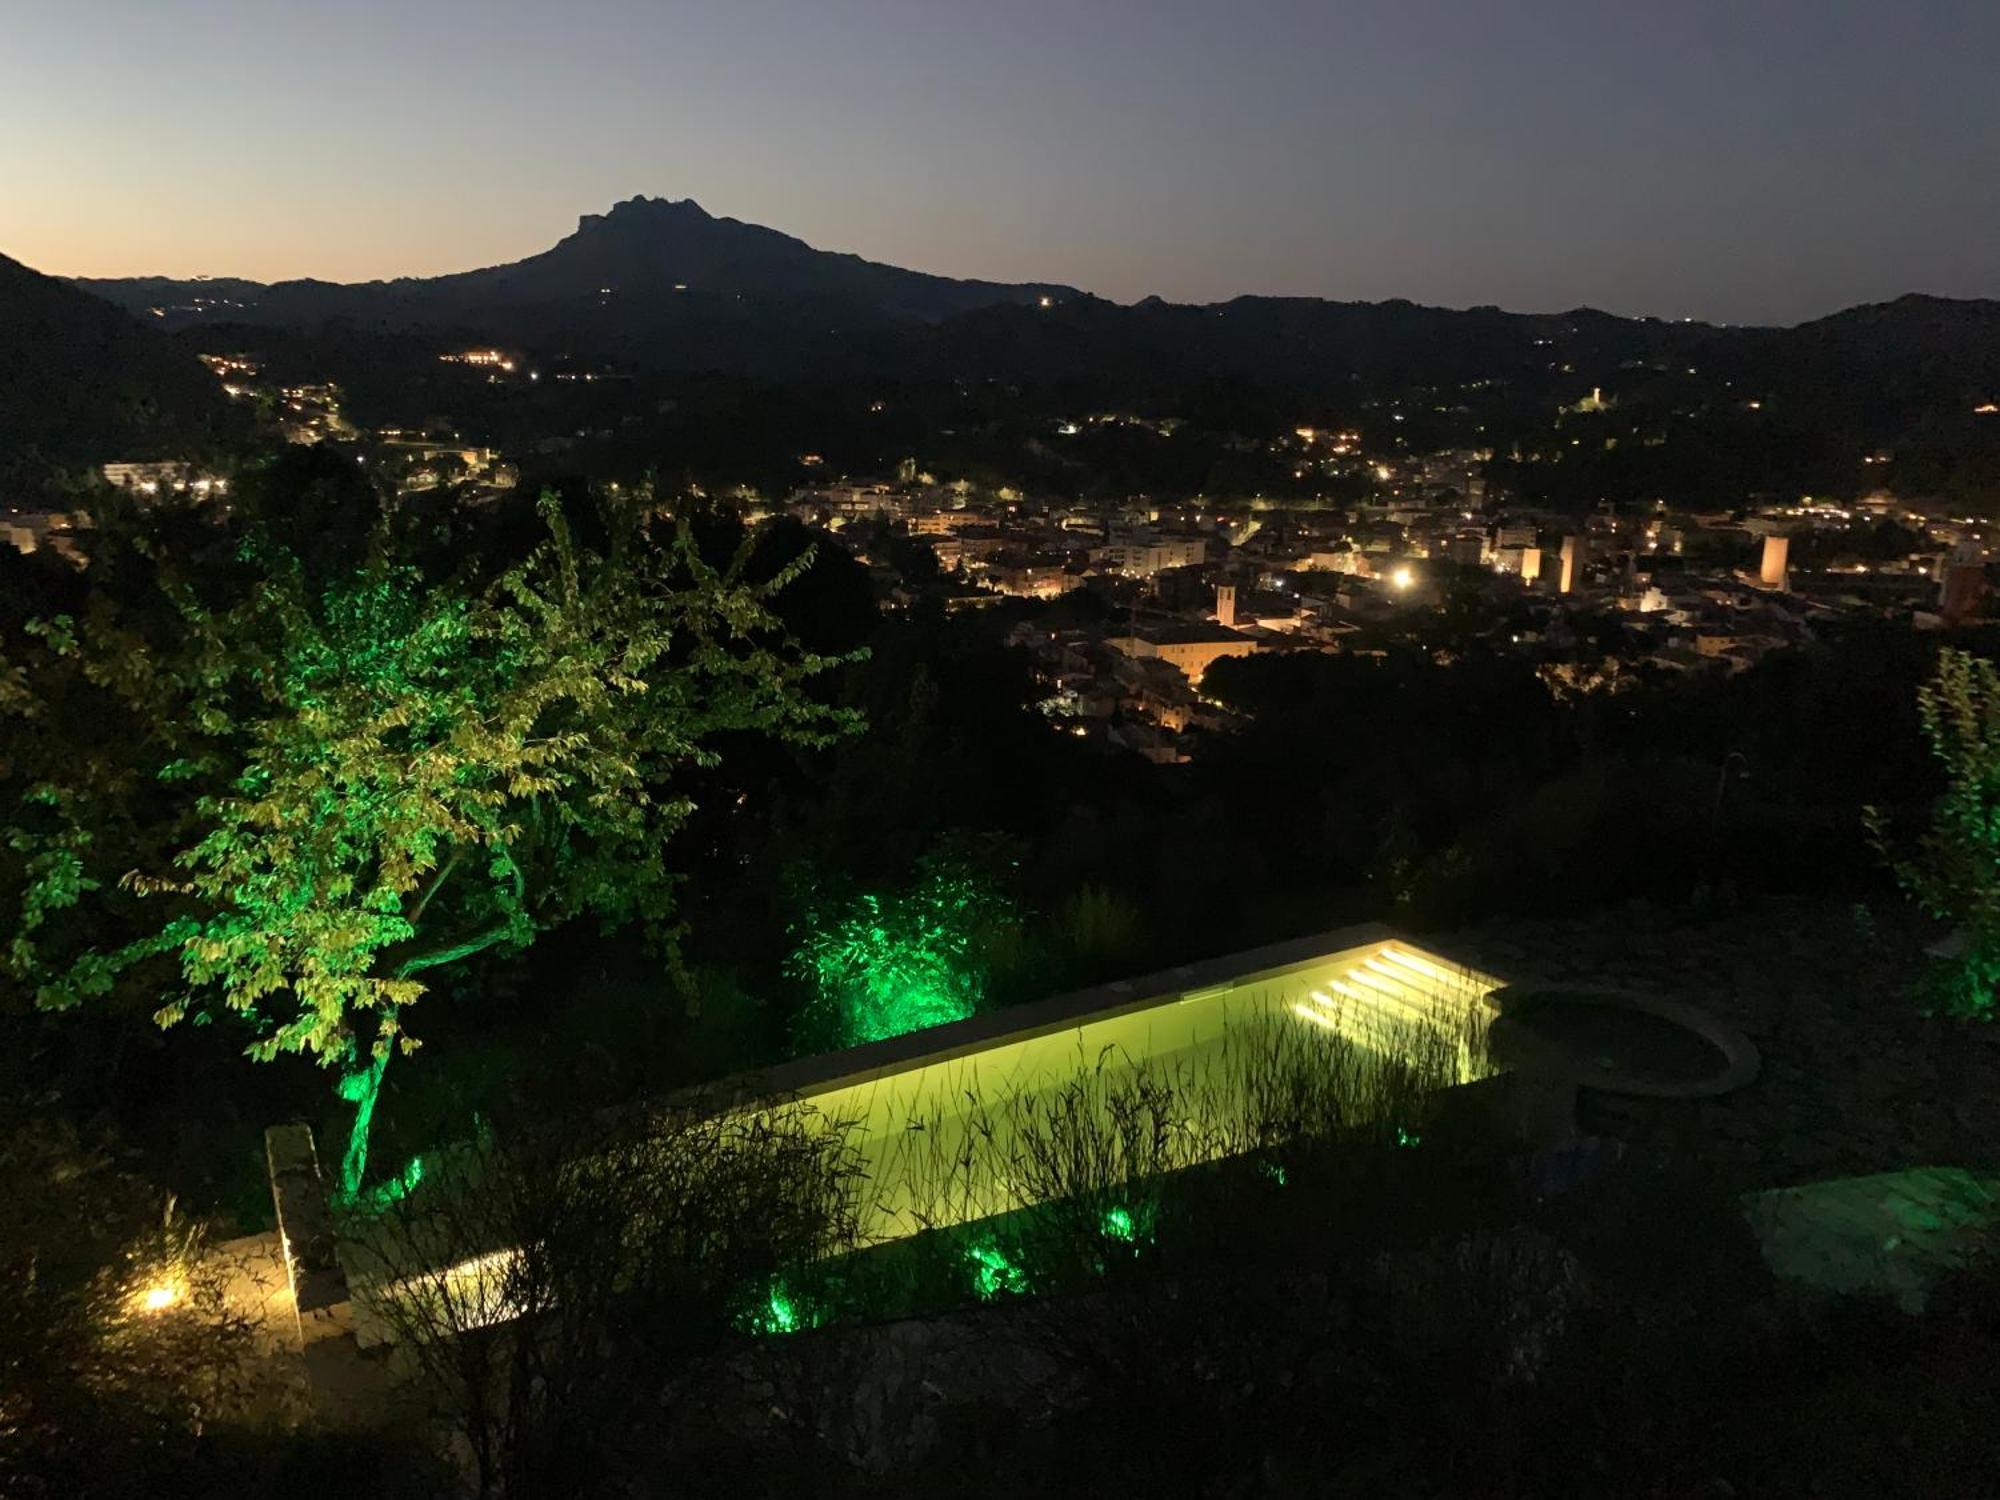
(1402, 578)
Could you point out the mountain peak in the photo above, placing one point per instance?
(641, 211)
(639, 272)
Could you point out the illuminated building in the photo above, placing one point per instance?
(1575, 554)
(486, 358)
(158, 478)
(1192, 648)
(1142, 557)
(1962, 590)
(1771, 571)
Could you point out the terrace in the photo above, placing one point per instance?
(922, 1108)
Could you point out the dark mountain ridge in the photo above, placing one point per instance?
(644, 253)
(664, 292)
(82, 382)
(665, 286)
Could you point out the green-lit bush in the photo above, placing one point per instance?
(1954, 875)
(883, 962)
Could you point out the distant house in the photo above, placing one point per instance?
(1143, 556)
(1192, 648)
(163, 477)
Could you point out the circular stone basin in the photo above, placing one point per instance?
(1619, 1042)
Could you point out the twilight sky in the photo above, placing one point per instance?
(1737, 160)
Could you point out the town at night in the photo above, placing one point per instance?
(871, 750)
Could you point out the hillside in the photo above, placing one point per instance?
(662, 291)
(82, 382)
(653, 279)
(663, 285)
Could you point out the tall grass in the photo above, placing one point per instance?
(552, 1296)
(1270, 1081)
(544, 1295)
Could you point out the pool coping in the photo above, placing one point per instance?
(1741, 1060)
(823, 1072)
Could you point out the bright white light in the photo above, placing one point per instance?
(1402, 578)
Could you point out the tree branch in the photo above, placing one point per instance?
(452, 952)
(465, 947)
(443, 874)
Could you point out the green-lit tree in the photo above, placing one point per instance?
(883, 961)
(1954, 875)
(282, 786)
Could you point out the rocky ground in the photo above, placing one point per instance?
(1854, 1079)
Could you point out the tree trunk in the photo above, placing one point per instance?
(362, 1086)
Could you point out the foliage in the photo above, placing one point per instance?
(884, 962)
(559, 1297)
(1100, 928)
(118, 1348)
(1954, 875)
(278, 787)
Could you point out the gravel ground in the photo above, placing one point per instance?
(1854, 1080)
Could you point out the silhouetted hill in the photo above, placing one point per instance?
(1927, 348)
(653, 245)
(82, 382)
(1971, 325)
(1291, 342)
(665, 282)
(1877, 369)
(666, 286)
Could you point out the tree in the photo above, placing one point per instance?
(283, 780)
(1955, 872)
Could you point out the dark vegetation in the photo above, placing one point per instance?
(1681, 428)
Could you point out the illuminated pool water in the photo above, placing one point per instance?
(939, 1116)
(960, 1122)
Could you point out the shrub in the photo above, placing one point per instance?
(554, 1297)
(1954, 875)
